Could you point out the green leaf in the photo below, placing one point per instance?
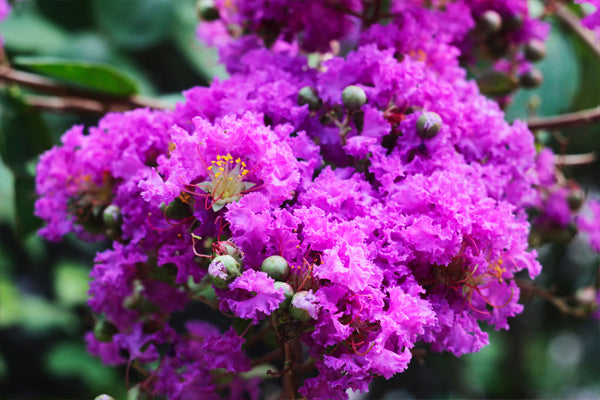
(98, 77)
(204, 59)
(71, 284)
(27, 31)
(135, 24)
(23, 133)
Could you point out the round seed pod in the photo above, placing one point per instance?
(112, 216)
(288, 292)
(104, 330)
(207, 11)
(490, 21)
(535, 50)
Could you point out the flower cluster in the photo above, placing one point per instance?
(354, 208)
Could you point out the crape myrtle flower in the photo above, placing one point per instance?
(78, 180)
(592, 20)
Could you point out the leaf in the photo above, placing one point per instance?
(27, 31)
(23, 133)
(204, 59)
(135, 24)
(98, 77)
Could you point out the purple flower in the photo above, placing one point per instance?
(251, 296)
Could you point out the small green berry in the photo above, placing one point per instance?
(429, 125)
(575, 199)
(276, 267)
(353, 97)
(223, 270)
(309, 95)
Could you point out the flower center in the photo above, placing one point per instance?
(226, 183)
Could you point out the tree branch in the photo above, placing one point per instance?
(74, 99)
(574, 23)
(562, 121)
(575, 159)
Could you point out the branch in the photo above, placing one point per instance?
(559, 303)
(574, 23)
(74, 99)
(575, 159)
(562, 121)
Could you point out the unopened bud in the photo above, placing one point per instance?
(535, 50)
(104, 330)
(223, 270)
(207, 10)
(303, 306)
(490, 22)
(276, 267)
(353, 97)
(104, 397)
(429, 124)
(112, 216)
(531, 79)
(513, 22)
(309, 95)
(575, 199)
(288, 292)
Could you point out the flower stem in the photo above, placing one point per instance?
(573, 22)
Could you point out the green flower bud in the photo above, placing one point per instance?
(177, 210)
(112, 217)
(298, 313)
(308, 95)
(207, 10)
(428, 125)
(531, 79)
(288, 292)
(535, 50)
(276, 267)
(490, 22)
(104, 330)
(223, 270)
(496, 83)
(353, 97)
(575, 199)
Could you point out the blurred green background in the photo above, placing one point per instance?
(43, 286)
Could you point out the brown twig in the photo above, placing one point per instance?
(573, 22)
(74, 99)
(562, 121)
(558, 302)
(575, 159)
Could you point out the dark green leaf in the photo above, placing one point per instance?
(99, 77)
(135, 24)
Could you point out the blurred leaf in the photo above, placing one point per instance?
(27, 31)
(99, 77)
(205, 59)
(562, 77)
(7, 195)
(32, 312)
(135, 24)
(25, 197)
(71, 284)
(71, 359)
(23, 134)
